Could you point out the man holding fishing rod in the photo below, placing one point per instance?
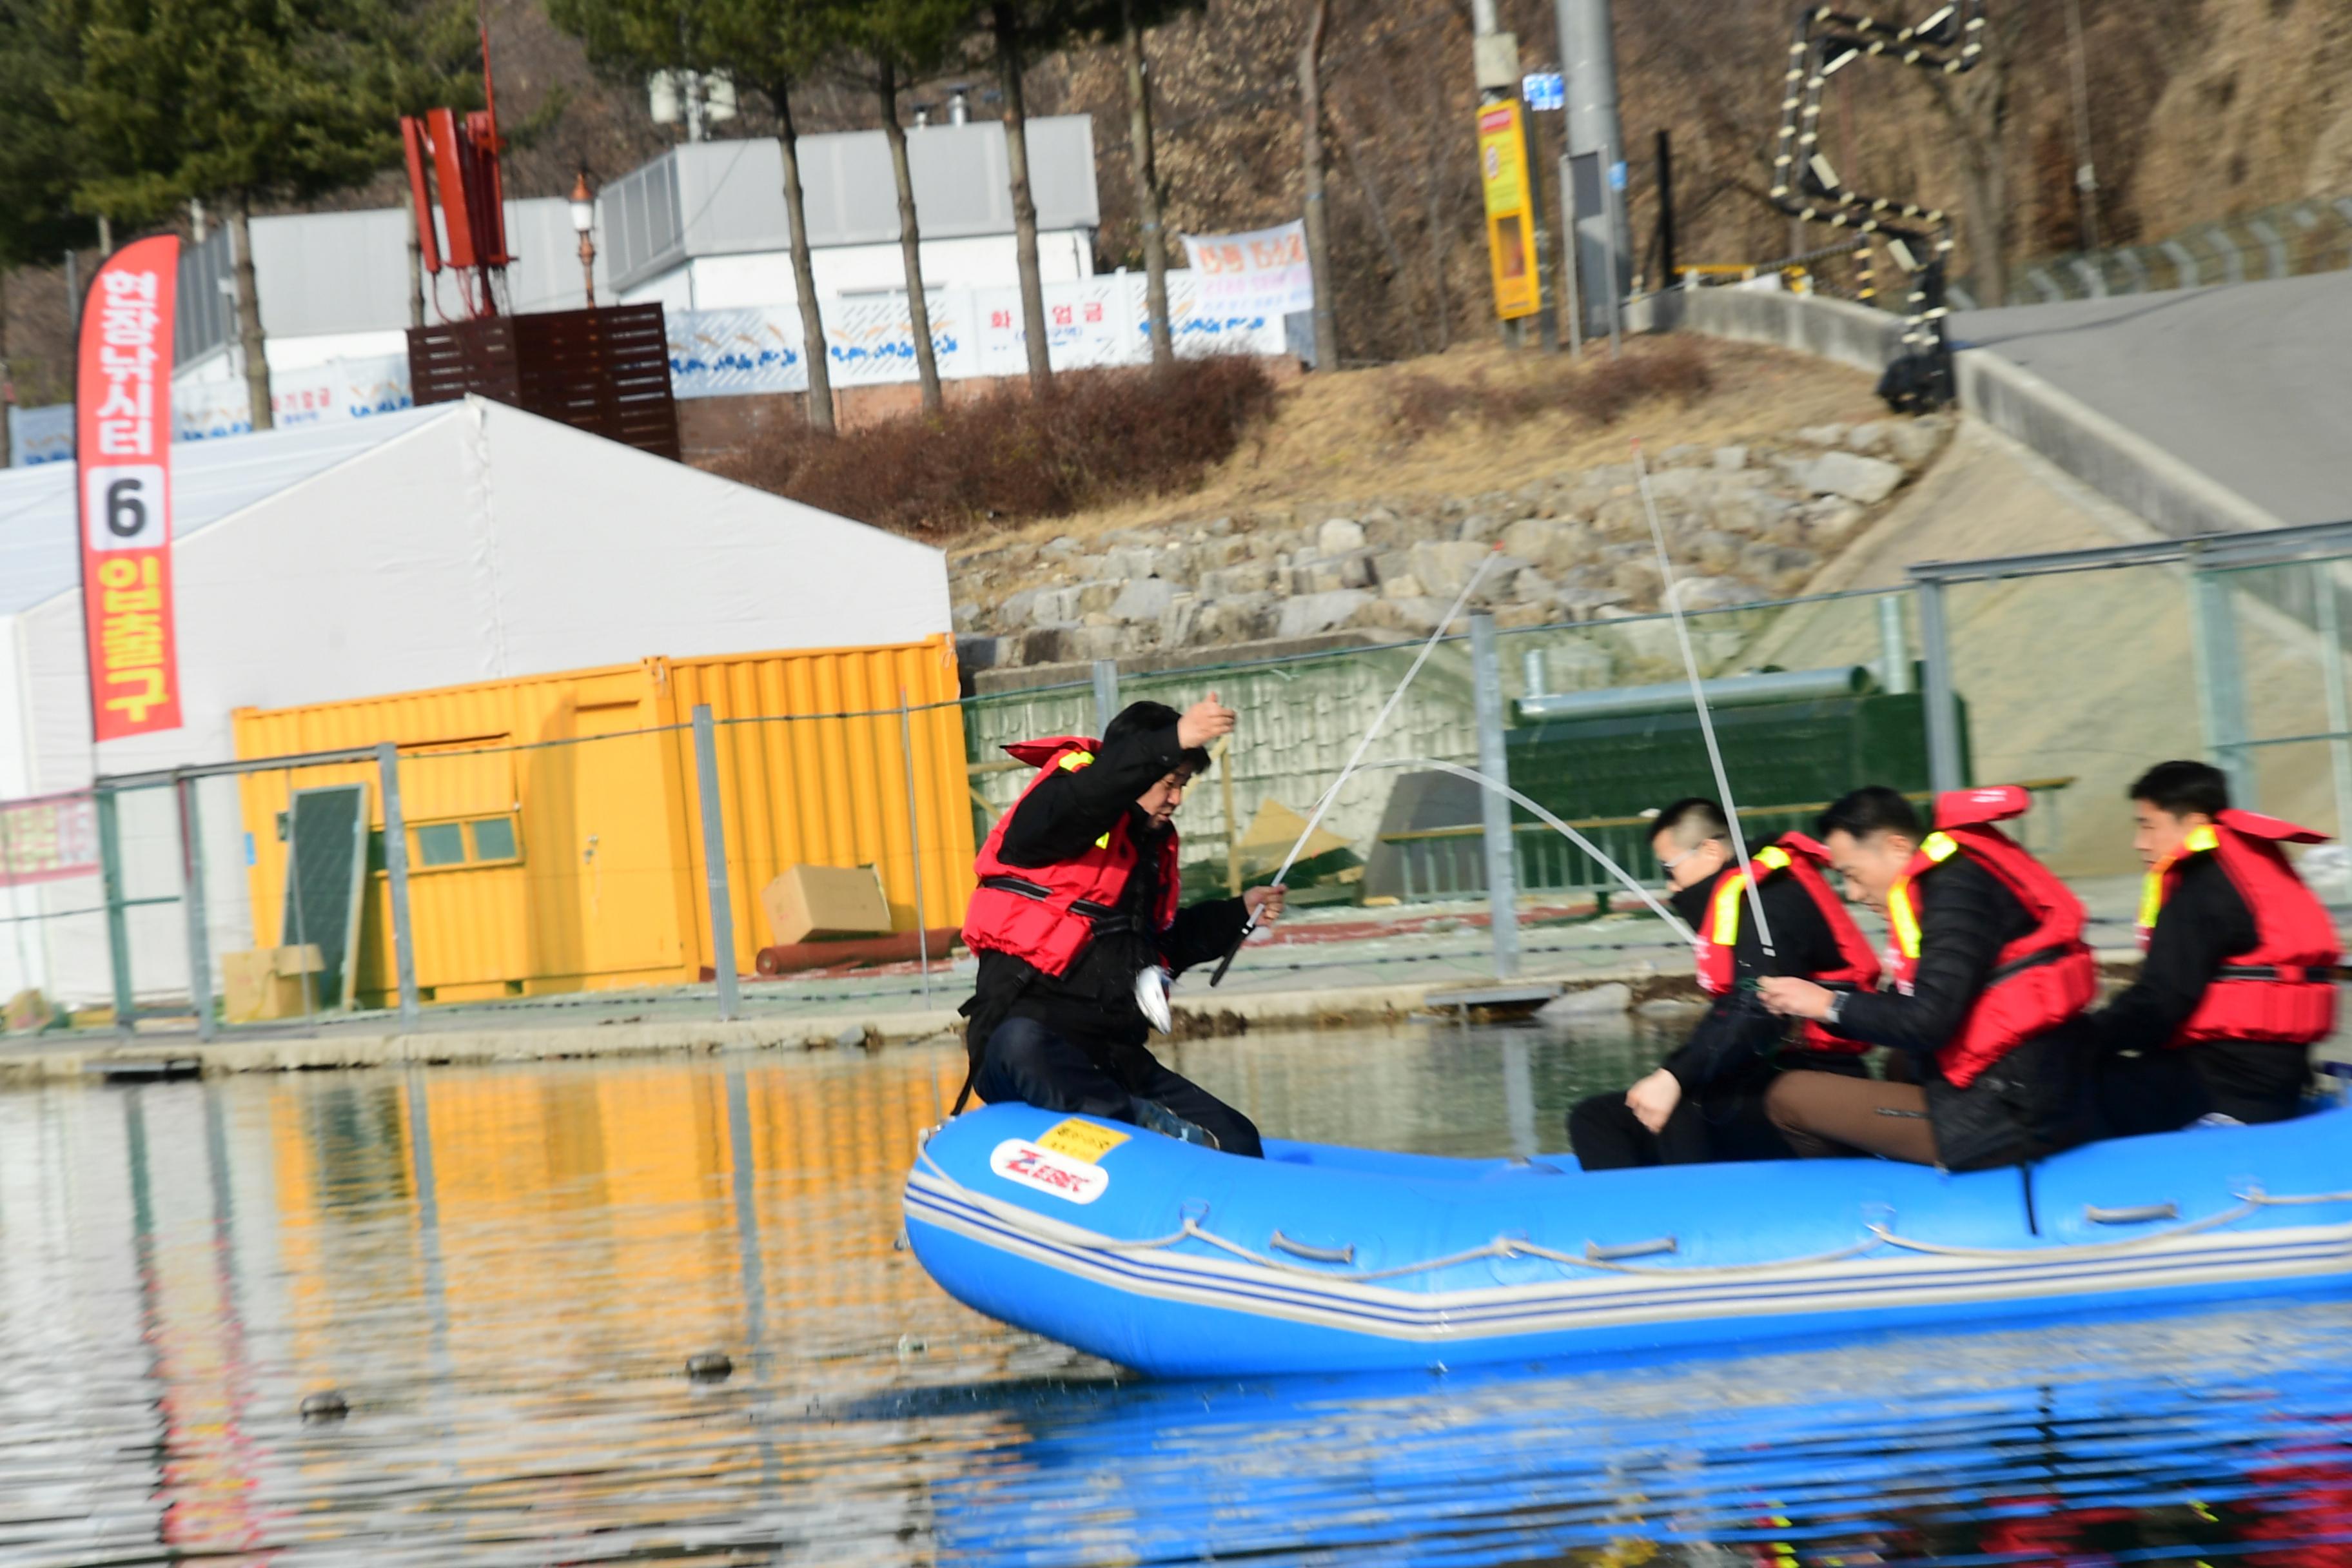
(1707, 1101)
(1079, 933)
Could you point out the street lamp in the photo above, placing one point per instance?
(583, 220)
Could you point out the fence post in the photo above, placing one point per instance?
(2339, 706)
(1943, 708)
(191, 901)
(714, 862)
(1105, 693)
(915, 843)
(395, 874)
(1894, 648)
(2220, 690)
(1502, 872)
(118, 929)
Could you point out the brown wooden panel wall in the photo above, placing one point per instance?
(605, 370)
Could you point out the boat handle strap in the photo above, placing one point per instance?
(1600, 1254)
(2133, 1214)
(1282, 1243)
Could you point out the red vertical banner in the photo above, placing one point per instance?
(122, 450)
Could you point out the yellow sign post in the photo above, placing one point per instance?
(1511, 220)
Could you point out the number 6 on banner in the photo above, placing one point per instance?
(118, 500)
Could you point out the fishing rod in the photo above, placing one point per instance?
(1698, 697)
(1321, 806)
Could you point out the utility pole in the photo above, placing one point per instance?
(1588, 59)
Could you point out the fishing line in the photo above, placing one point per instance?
(1573, 837)
(1698, 697)
(1321, 806)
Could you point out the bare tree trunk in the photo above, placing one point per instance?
(1318, 227)
(416, 278)
(1147, 194)
(7, 384)
(911, 239)
(1025, 205)
(248, 314)
(1380, 221)
(813, 349)
(1976, 104)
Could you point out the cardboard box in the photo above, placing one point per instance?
(263, 983)
(817, 903)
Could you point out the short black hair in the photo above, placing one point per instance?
(1693, 820)
(1872, 808)
(2181, 787)
(1147, 717)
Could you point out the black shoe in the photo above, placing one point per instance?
(1154, 1117)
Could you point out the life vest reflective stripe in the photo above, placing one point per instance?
(2039, 981)
(2283, 988)
(1046, 915)
(1792, 854)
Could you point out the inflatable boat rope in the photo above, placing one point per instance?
(1506, 1246)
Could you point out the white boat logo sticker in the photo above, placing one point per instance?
(1017, 1160)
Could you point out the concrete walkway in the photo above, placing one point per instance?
(1322, 968)
(2249, 384)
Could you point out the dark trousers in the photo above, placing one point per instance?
(1026, 1061)
(1725, 1123)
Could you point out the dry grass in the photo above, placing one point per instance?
(1339, 438)
(1005, 457)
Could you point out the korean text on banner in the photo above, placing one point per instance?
(1260, 273)
(122, 446)
(1510, 222)
(47, 837)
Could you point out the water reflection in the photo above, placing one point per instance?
(504, 1270)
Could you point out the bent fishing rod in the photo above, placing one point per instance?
(1698, 699)
(1323, 806)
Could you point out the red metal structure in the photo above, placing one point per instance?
(464, 154)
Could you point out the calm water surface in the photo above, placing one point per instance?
(505, 1269)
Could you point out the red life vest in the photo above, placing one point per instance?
(1792, 855)
(2039, 981)
(2283, 987)
(1044, 915)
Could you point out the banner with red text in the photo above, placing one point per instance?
(1263, 273)
(122, 447)
(46, 838)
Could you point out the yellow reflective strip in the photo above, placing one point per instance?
(1104, 842)
(1899, 916)
(2151, 895)
(1727, 911)
(1939, 847)
(1076, 759)
(2201, 839)
(1772, 855)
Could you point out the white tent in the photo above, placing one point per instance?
(458, 542)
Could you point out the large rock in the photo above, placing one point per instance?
(1143, 599)
(1420, 615)
(1340, 535)
(1309, 614)
(1693, 595)
(1402, 586)
(1730, 459)
(1240, 578)
(1179, 627)
(1822, 434)
(1868, 481)
(1594, 1003)
(1914, 441)
(1243, 617)
(1444, 565)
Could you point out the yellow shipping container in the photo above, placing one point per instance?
(555, 824)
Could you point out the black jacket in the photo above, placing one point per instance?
(2202, 926)
(1737, 1039)
(2035, 1100)
(1093, 1005)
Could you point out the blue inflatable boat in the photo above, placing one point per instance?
(1179, 1261)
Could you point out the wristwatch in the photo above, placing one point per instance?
(1837, 1005)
